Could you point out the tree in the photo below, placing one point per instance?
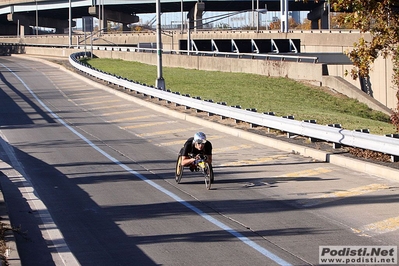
(292, 24)
(338, 21)
(381, 20)
(275, 25)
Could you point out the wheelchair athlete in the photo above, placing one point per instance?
(195, 148)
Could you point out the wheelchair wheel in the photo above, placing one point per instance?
(179, 169)
(208, 173)
(211, 173)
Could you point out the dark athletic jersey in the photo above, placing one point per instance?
(189, 148)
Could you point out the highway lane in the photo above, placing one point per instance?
(103, 168)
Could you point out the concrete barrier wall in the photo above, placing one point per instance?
(293, 70)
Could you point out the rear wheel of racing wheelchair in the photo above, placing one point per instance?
(179, 169)
(208, 172)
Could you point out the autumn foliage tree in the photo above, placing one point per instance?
(381, 20)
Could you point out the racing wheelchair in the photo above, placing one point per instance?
(201, 166)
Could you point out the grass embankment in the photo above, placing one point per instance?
(267, 94)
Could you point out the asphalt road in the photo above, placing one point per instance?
(94, 185)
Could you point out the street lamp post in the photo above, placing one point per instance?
(70, 24)
(253, 15)
(188, 37)
(182, 17)
(160, 82)
(257, 16)
(284, 15)
(37, 20)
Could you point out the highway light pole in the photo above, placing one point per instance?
(70, 24)
(284, 15)
(160, 82)
(37, 20)
(257, 16)
(182, 17)
(253, 18)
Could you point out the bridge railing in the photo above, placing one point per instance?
(383, 144)
(270, 56)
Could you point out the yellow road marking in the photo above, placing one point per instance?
(308, 172)
(356, 191)
(384, 226)
(167, 132)
(149, 124)
(176, 142)
(102, 102)
(329, 197)
(232, 148)
(82, 93)
(108, 107)
(93, 97)
(131, 118)
(122, 112)
(181, 142)
(255, 160)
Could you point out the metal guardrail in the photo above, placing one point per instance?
(357, 139)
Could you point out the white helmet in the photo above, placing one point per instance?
(199, 137)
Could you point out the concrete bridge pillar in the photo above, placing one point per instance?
(24, 30)
(321, 13)
(20, 21)
(110, 15)
(195, 16)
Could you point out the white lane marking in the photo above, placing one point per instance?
(50, 230)
(206, 216)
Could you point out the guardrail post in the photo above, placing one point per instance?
(336, 145)
(289, 134)
(363, 130)
(197, 98)
(269, 113)
(225, 104)
(187, 107)
(210, 101)
(251, 125)
(312, 121)
(238, 107)
(394, 158)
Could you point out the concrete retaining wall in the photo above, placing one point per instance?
(293, 70)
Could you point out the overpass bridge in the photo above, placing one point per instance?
(24, 14)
